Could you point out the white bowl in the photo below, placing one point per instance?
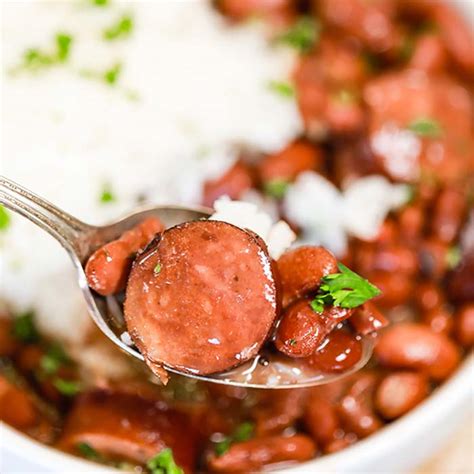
(398, 447)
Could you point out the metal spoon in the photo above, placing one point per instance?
(267, 370)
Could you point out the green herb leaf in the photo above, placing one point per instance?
(54, 358)
(24, 328)
(157, 269)
(100, 3)
(453, 257)
(292, 342)
(121, 29)
(163, 463)
(107, 195)
(283, 89)
(111, 76)
(243, 432)
(426, 127)
(67, 387)
(302, 36)
(276, 188)
(63, 46)
(5, 219)
(346, 289)
(88, 451)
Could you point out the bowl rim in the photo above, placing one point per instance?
(443, 400)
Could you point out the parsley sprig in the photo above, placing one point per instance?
(426, 127)
(346, 289)
(302, 36)
(243, 432)
(121, 29)
(164, 463)
(4, 219)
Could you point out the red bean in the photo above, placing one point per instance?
(8, 344)
(290, 162)
(302, 330)
(416, 347)
(338, 353)
(448, 214)
(16, 406)
(367, 319)
(429, 296)
(250, 456)
(400, 392)
(411, 220)
(439, 319)
(355, 408)
(301, 270)
(429, 54)
(464, 321)
(460, 285)
(396, 288)
(433, 258)
(321, 420)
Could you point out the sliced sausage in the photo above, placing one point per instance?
(251, 456)
(414, 346)
(202, 299)
(127, 427)
(301, 270)
(108, 267)
(302, 330)
(399, 392)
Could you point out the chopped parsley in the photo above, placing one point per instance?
(302, 36)
(164, 463)
(88, 451)
(35, 59)
(284, 89)
(276, 188)
(426, 127)
(453, 257)
(4, 219)
(100, 3)
(107, 195)
(292, 342)
(346, 289)
(119, 30)
(67, 387)
(111, 76)
(54, 358)
(243, 432)
(24, 328)
(157, 269)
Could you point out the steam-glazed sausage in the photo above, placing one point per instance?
(202, 299)
(416, 347)
(233, 183)
(399, 392)
(301, 270)
(251, 456)
(108, 267)
(125, 426)
(302, 330)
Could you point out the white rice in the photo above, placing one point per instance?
(202, 89)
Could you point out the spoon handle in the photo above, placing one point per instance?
(66, 229)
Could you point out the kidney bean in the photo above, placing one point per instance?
(460, 284)
(278, 409)
(429, 296)
(8, 344)
(417, 347)
(388, 232)
(433, 258)
(321, 420)
(301, 270)
(391, 258)
(367, 319)
(302, 330)
(429, 54)
(448, 214)
(16, 406)
(339, 444)
(233, 183)
(339, 352)
(464, 325)
(312, 99)
(439, 319)
(287, 164)
(344, 117)
(252, 455)
(355, 408)
(411, 221)
(108, 267)
(396, 288)
(399, 392)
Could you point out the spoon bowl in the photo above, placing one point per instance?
(267, 370)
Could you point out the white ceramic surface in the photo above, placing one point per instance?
(398, 447)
